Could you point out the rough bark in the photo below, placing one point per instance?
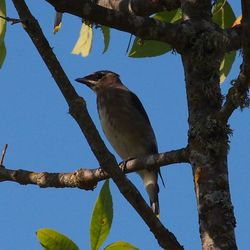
(139, 7)
(86, 178)
(208, 136)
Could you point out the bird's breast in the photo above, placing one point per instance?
(118, 137)
(122, 128)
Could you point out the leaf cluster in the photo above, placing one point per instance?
(100, 226)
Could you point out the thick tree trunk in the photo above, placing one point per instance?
(208, 135)
(208, 144)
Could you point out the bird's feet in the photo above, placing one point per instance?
(123, 164)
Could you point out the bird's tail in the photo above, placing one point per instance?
(150, 182)
(153, 190)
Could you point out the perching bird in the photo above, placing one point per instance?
(125, 124)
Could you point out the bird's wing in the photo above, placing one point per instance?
(139, 107)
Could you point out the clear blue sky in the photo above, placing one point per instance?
(42, 136)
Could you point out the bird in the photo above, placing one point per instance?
(126, 125)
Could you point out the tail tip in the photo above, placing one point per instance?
(156, 209)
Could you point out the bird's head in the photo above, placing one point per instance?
(100, 79)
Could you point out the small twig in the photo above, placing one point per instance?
(3, 154)
(12, 20)
(129, 43)
(237, 95)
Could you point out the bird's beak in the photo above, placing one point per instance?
(87, 80)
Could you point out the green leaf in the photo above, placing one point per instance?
(101, 218)
(218, 6)
(120, 245)
(224, 16)
(2, 53)
(106, 37)
(84, 42)
(150, 48)
(2, 32)
(53, 240)
(173, 16)
(226, 65)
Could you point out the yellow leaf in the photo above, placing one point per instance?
(2, 31)
(57, 28)
(237, 21)
(2, 20)
(84, 42)
(58, 22)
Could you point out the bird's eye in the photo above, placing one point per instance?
(99, 76)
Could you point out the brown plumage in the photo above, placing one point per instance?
(125, 124)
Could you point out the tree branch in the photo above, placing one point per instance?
(144, 27)
(237, 95)
(79, 112)
(3, 154)
(123, 18)
(140, 7)
(234, 36)
(88, 178)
